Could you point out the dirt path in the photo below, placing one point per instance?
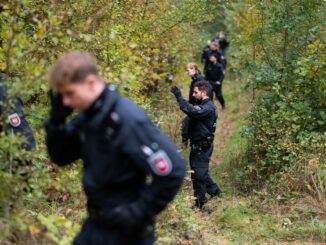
(210, 229)
(224, 131)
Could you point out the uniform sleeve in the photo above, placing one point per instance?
(203, 56)
(220, 74)
(151, 151)
(221, 59)
(63, 143)
(196, 112)
(192, 99)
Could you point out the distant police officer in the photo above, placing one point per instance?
(220, 38)
(12, 118)
(214, 49)
(120, 149)
(215, 76)
(205, 53)
(202, 126)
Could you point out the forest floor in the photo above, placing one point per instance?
(233, 219)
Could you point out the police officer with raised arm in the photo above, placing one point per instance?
(131, 170)
(202, 125)
(195, 74)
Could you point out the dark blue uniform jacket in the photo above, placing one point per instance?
(195, 78)
(12, 118)
(203, 119)
(120, 148)
(214, 72)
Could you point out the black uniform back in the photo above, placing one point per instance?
(120, 147)
(12, 118)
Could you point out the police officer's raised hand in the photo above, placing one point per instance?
(176, 91)
(59, 112)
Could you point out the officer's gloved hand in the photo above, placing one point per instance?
(59, 112)
(176, 91)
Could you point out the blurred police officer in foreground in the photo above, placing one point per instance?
(12, 118)
(131, 170)
(202, 125)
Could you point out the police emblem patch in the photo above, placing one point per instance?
(160, 163)
(14, 120)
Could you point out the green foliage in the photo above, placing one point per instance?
(281, 53)
(137, 43)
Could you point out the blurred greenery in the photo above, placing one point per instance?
(279, 52)
(273, 158)
(137, 44)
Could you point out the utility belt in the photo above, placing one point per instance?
(101, 218)
(96, 215)
(202, 145)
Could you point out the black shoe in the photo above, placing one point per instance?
(198, 206)
(195, 208)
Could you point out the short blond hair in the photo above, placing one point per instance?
(72, 67)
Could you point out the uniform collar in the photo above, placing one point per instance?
(96, 106)
(205, 101)
(196, 77)
(101, 107)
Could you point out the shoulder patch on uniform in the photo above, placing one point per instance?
(160, 163)
(14, 120)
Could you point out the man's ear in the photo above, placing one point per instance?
(91, 80)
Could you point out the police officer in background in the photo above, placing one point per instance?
(215, 76)
(214, 49)
(202, 126)
(205, 53)
(120, 148)
(12, 118)
(220, 38)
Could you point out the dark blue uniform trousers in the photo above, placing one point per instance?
(94, 234)
(217, 89)
(202, 182)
